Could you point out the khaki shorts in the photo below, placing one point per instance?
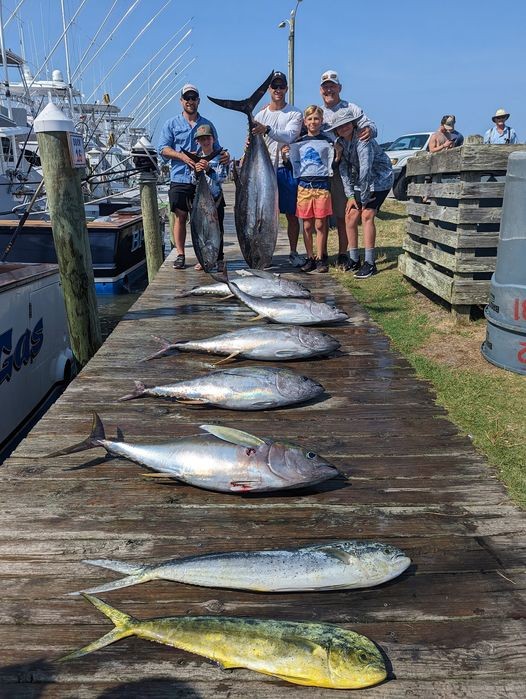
(339, 200)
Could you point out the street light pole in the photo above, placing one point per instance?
(291, 22)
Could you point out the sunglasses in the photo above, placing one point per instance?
(190, 98)
(279, 86)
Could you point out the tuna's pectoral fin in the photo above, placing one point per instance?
(229, 434)
(192, 401)
(228, 359)
(263, 275)
(243, 486)
(258, 317)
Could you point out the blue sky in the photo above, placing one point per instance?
(405, 63)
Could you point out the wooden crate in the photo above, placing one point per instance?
(454, 208)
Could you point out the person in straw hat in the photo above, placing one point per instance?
(500, 133)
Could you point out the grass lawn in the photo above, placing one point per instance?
(485, 402)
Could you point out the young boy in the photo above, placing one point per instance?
(216, 174)
(311, 158)
(367, 177)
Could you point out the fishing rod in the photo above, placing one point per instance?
(94, 39)
(128, 11)
(155, 56)
(83, 2)
(122, 57)
(140, 117)
(13, 14)
(25, 144)
(23, 219)
(137, 112)
(173, 66)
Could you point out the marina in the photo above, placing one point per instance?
(451, 625)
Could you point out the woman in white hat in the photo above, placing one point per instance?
(500, 133)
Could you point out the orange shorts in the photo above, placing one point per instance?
(313, 203)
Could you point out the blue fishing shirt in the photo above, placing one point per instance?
(178, 134)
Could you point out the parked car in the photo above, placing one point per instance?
(399, 152)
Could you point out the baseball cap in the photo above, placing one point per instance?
(203, 130)
(189, 88)
(278, 75)
(330, 76)
(448, 122)
(344, 116)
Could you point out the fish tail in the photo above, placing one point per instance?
(140, 577)
(183, 293)
(248, 105)
(94, 440)
(166, 347)
(139, 391)
(196, 158)
(117, 566)
(125, 625)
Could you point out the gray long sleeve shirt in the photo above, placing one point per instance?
(364, 167)
(329, 113)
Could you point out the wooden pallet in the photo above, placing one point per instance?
(454, 209)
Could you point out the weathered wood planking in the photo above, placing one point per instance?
(453, 625)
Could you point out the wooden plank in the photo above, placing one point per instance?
(456, 190)
(455, 239)
(452, 214)
(426, 276)
(469, 157)
(458, 261)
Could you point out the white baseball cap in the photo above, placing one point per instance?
(330, 76)
(189, 88)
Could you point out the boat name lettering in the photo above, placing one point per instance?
(137, 239)
(20, 353)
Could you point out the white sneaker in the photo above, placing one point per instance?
(296, 260)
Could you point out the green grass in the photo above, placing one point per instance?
(487, 403)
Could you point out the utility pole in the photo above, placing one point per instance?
(292, 25)
(62, 153)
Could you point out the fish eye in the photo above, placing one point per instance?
(362, 656)
(311, 455)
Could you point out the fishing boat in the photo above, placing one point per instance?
(35, 355)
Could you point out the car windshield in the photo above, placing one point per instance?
(412, 142)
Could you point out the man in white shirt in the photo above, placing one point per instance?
(281, 125)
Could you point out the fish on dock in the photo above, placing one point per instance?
(264, 343)
(309, 654)
(224, 459)
(239, 388)
(256, 282)
(332, 565)
(256, 200)
(288, 311)
(204, 220)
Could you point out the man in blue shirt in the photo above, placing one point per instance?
(178, 134)
(500, 133)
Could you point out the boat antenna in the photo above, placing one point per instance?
(122, 57)
(57, 43)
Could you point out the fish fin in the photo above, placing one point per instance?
(228, 359)
(229, 434)
(225, 298)
(235, 174)
(335, 552)
(139, 390)
(258, 317)
(124, 626)
(114, 585)
(247, 105)
(243, 486)
(166, 348)
(156, 475)
(118, 566)
(92, 442)
(191, 401)
(184, 292)
(264, 275)
(196, 158)
(310, 646)
(120, 438)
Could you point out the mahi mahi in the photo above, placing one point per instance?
(225, 460)
(239, 388)
(265, 343)
(332, 565)
(315, 655)
(256, 203)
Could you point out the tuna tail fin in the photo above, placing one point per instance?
(196, 158)
(124, 626)
(97, 434)
(247, 105)
(166, 348)
(140, 389)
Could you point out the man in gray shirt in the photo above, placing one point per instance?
(330, 88)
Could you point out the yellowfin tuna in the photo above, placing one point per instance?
(315, 655)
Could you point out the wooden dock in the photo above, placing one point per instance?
(452, 625)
